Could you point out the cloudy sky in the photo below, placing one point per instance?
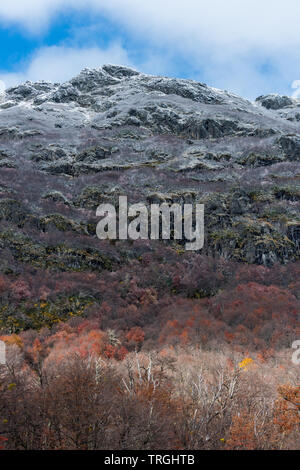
(251, 47)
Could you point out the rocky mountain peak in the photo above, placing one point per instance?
(113, 130)
(276, 102)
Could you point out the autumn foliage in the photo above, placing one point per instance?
(193, 354)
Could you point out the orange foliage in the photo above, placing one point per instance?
(12, 340)
(287, 416)
(135, 335)
(241, 433)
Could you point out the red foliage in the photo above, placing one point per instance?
(2, 440)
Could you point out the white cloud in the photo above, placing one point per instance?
(58, 64)
(226, 41)
(268, 23)
(296, 87)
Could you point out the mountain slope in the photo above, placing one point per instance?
(66, 148)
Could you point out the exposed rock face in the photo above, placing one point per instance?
(65, 148)
(275, 101)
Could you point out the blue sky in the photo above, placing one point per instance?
(248, 47)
